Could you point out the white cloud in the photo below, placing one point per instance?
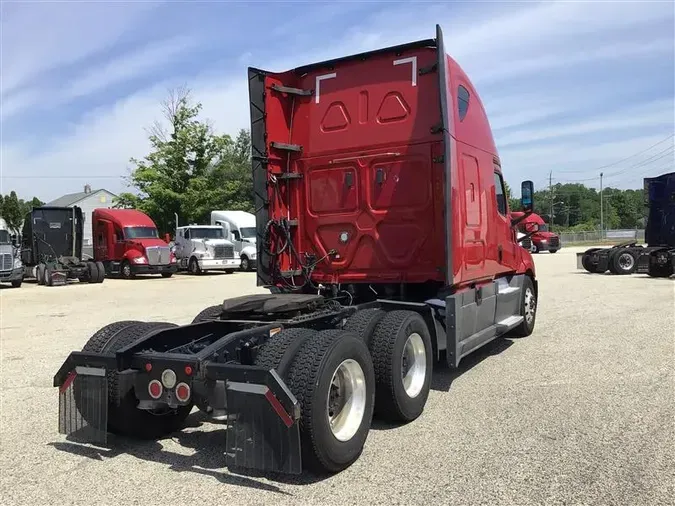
(37, 38)
(129, 66)
(101, 142)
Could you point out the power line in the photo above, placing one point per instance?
(620, 161)
(670, 150)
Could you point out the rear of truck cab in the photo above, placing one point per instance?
(366, 171)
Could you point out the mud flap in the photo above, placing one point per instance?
(261, 434)
(83, 405)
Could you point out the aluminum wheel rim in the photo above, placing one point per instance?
(346, 402)
(126, 270)
(413, 365)
(530, 306)
(626, 261)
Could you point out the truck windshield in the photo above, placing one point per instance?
(140, 233)
(5, 237)
(543, 228)
(206, 233)
(247, 232)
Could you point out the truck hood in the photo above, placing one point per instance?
(545, 235)
(145, 243)
(211, 242)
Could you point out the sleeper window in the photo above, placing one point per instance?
(462, 102)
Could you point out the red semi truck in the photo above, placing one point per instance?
(385, 240)
(127, 242)
(537, 229)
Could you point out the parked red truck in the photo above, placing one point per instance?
(542, 239)
(384, 237)
(127, 242)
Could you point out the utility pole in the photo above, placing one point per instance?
(550, 193)
(602, 220)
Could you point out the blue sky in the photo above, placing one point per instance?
(568, 86)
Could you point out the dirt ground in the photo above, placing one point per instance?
(581, 411)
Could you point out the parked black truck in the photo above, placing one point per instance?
(51, 248)
(657, 258)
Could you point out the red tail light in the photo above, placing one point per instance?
(182, 392)
(188, 370)
(155, 389)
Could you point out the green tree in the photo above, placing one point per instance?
(12, 212)
(190, 170)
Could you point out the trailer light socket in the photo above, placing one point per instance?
(168, 378)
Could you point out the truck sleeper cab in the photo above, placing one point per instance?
(51, 247)
(385, 240)
(127, 242)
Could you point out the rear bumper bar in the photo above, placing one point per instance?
(263, 414)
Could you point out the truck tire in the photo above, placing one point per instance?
(40, 274)
(280, 350)
(333, 428)
(363, 323)
(92, 271)
(245, 264)
(610, 261)
(660, 271)
(208, 314)
(17, 283)
(403, 360)
(528, 310)
(101, 271)
(586, 261)
(193, 266)
(48, 276)
(124, 418)
(125, 270)
(623, 261)
(167, 274)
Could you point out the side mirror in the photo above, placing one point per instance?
(527, 196)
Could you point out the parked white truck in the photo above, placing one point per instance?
(239, 228)
(11, 268)
(201, 248)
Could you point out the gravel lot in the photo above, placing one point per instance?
(582, 411)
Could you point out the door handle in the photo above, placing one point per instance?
(499, 252)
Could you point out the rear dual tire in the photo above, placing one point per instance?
(622, 261)
(331, 375)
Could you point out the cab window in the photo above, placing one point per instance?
(500, 194)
